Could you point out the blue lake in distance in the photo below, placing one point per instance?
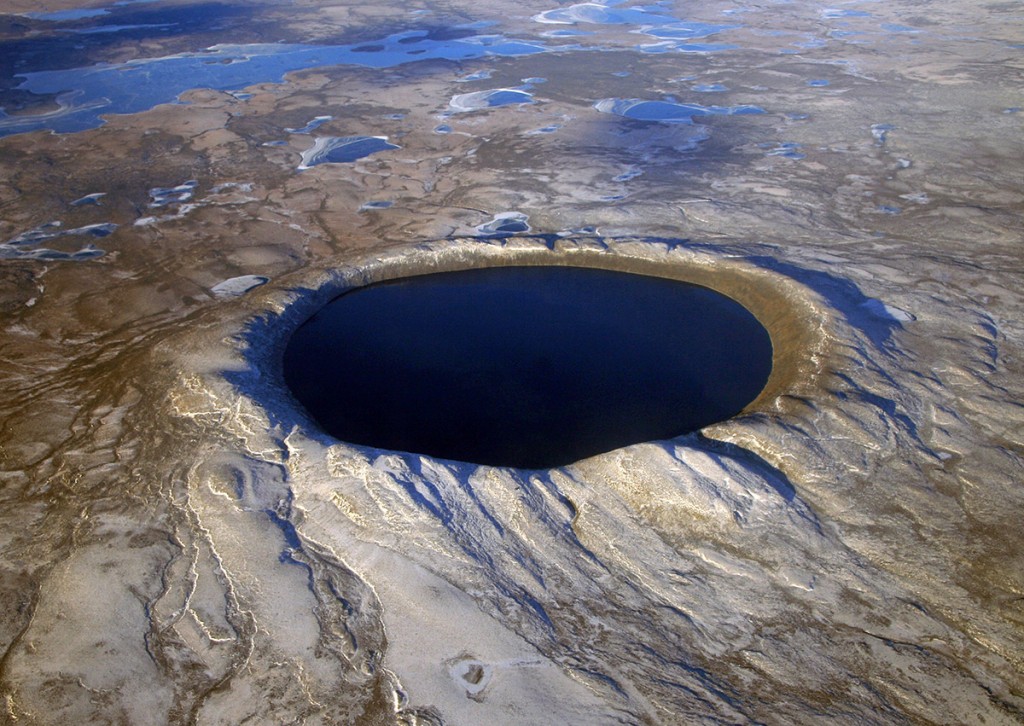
(137, 85)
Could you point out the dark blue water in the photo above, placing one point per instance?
(343, 150)
(529, 367)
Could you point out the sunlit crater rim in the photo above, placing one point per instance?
(784, 307)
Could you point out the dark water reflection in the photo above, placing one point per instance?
(526, 366)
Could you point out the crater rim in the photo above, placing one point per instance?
(789, 311)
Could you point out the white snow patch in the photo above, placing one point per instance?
(235, 286)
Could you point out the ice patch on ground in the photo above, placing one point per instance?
(26, 245)
(602, 14)
(311, 126)
(164, 196)
(504, 224)
(235, 286)
(668, 112)
(88, 199)
(478, 100)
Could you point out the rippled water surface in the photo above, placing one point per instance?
(184, 183)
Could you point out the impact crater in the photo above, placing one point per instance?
(527, 365)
